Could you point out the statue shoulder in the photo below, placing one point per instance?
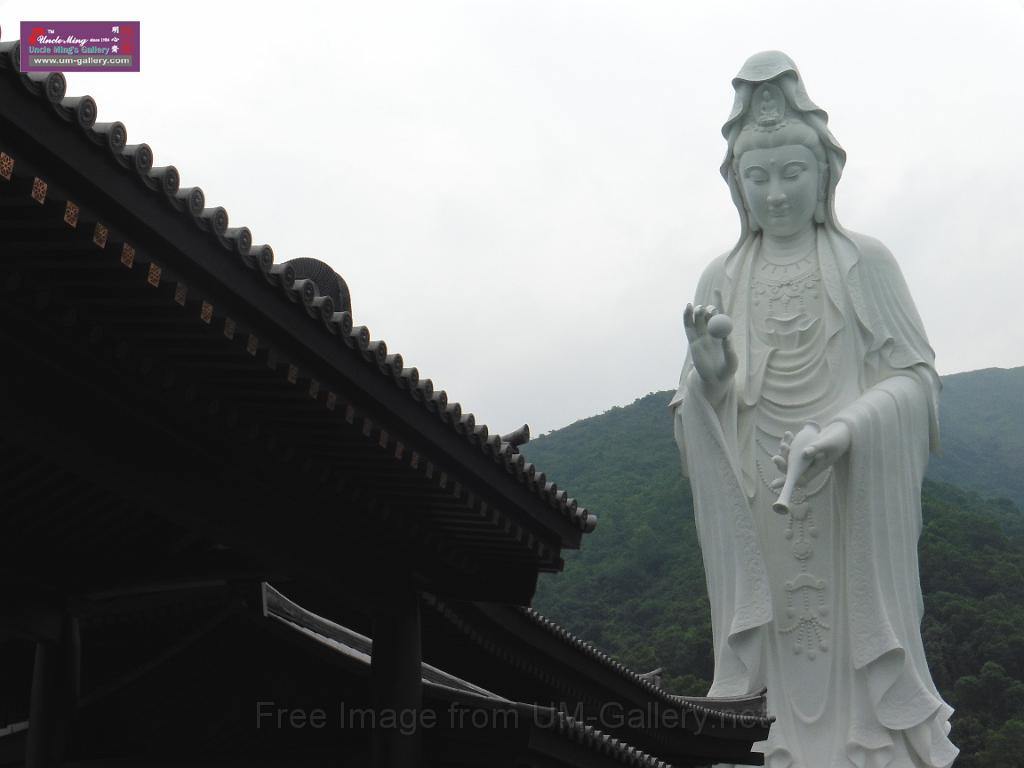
(711, 278)
(873, 252)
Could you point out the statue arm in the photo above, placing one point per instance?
(898, 344)
(907, 386)
(690, 382)
(898, 364)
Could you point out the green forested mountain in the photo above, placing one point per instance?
(637, 591)
(981, 417)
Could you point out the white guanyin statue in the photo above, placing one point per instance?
(819, 601)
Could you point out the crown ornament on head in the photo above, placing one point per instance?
(768, 108)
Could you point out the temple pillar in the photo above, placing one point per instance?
(55, 689)
(396, 679)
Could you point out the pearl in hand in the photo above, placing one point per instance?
(720, 326)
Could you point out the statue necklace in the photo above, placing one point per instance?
(775, 271)
(784, 286)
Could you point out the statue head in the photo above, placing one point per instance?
(774, 121)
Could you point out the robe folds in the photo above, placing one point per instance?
(888, 711)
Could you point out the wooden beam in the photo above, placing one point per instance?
(30, 616)
(165, 655)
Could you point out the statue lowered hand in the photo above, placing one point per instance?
(794, 460)
(807, 455)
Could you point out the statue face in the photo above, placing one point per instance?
(781, 187)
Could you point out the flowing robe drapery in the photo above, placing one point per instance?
(882, 706)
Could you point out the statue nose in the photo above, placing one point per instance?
(776, 198)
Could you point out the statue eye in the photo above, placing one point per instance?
(793, 170)
(757, 175)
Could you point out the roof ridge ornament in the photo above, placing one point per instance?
(518, 437)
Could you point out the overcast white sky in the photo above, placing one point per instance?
(521, 195)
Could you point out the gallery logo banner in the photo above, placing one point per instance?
(85, 46)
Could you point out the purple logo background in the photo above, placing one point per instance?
(85, 46)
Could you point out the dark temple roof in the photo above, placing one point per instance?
(258, 356)
(522, 652)
(357, 648)
(747, 710)
(309, 284)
